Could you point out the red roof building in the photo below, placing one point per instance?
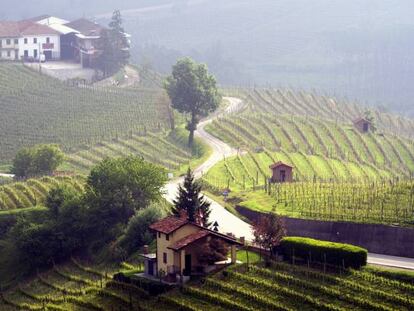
(179, 243)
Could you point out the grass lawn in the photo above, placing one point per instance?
(253, 257)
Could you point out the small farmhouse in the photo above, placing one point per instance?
(181, 249)
(53, 37)
(27, 39)
(281, 172)
(363, 125)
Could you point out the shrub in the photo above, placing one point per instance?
(315, 250)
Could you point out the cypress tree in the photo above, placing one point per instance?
(191, 201)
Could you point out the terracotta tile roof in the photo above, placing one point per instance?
(199, 235)
(28, 28)
(9, 29)
(86, 27)
(169, 224)
(280, 163)
(189, 239)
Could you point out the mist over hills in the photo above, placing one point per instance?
(356, 49)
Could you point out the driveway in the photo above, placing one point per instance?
(63, 70)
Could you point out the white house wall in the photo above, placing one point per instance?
(41, 39)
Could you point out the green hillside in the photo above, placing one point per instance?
(32, 192)
(74, 286)
(38, 109)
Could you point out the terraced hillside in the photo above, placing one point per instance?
(32, 192)
(38, 109)
(74, 286)
(299, 103)
(289, 287)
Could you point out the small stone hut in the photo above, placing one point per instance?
(363, 125)
(281, 172)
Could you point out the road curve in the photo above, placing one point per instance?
(226, 220)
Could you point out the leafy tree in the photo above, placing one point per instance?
(58, 197)
(213, 251)
(116, 188)
(191, 201)
(38, 160)
(192, 90)
(114, 46)
(269, 231)
(137, 232)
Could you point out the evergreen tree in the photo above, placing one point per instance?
(114, 46)
(191, 201)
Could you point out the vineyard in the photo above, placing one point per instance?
(299, 103)
(339, 173)
(164, 150)
(289, 287)
(76, 286)
(32, 192)
(38, 109)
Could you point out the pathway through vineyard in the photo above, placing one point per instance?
(227, 221)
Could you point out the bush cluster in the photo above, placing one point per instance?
(338, 254)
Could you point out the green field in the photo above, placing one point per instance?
(38, 109)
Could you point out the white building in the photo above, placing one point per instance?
(28, 40)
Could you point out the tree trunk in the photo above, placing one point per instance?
(192, 127)
(191, 139)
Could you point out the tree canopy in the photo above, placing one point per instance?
(192, 90)
(38, 160)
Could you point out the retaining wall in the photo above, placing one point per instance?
(380, 239)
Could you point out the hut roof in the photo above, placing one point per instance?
(279, 163)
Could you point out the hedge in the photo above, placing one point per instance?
(338, 254)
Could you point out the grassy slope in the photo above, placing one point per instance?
(39, 109)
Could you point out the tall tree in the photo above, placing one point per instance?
(268, 231)
(194, 91)
(114, 46)
(191, 201)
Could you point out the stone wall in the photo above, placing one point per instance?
(381, 239)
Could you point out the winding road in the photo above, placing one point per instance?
(227, 221)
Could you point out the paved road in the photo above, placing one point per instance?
(229, 222)
(7, 175)
(391, 261)
(226, 220)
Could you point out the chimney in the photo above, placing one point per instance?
(242, 239)
(183, 214)
(145, 249)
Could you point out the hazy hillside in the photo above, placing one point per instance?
(359, 49)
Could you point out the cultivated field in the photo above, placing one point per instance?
(38, 109)
(33, 192)
(289, 287)
(74, 286)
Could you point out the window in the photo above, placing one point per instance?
(8, 41)
(164, 257)
(8, 54)
(167, 237)
(159, 235)
(47, 40)
(16, 41)
(25, 40)
(26, 53)
(34, 40)
(35, 53)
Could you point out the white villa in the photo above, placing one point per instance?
(53, 37)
